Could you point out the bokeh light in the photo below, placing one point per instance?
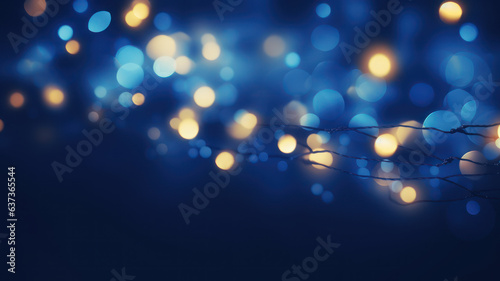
(130, 75)
(292, 60)
(473, 208)
(35, 8)
(328, 104)
(162, 21)
(188, 129)
(141, 11)
(287, 144)
(99, 21)
(225, 160)
(211, 51)
(370, 88)
(138, 99)
(386, 145)
(16, 100)
(450, 12)
(204, 96)
(379, 65)
(53, 96)
(183, 65)
(323, 10)
(164, 66)
(132, 20)
(73, 47)
(325, 37)
(322, 157)
(1, 125)
(130, 54)
(470, 168)
(80, 6)
(408, 194)
(65, 32)
(468, 32)
(161, 45)
(274, 46)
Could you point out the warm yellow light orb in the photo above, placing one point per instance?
(450, 12)
(386, 145)
(73, 47)
(469, 168)
(248, 120)
(324, 158)
(53, 96)
(188, 129)
(497, 143)
(408, 194)
(274, 46)
(141, 11)
(204, 96)
(16, 100)
(314, 141)
(225, 160)
(379, 65)
(132, 20)
(498, 132)
(211, 51)
(138, 99)
(160, 46)
(287, 144)
(186, 113)
(206, 38)
(183, 65)
(174, 123)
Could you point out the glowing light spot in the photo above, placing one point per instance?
(125, 99)
(188, 129)
(450, 12)
(370, 88)
(469, 168)
(141, 11)
(314, 141)
(132, 20)
(162, 21)
(247, 120)
(379, 65)
(16, 100)
(65, 32)
(473, 208)
(441, 119)
(53, 96)
(187, 113)
(93, 116)
(287, 144)
(292, 60)
(323, 158)
(99, 21)
(100, 92)
(1, 125)
(80, 6)
(364, 120)
(274, 46)
(35, 8)
(317, 189)
(138, 99)
(129, 54)
(130, 75)
(164, 66)
(296, 82)
(154, 133)
(204, 96)
(405, 135)
(497, 143)
(73, 47)
(328, 104)
(207, 38)
(225, 160)
(160, 46)
(174, 123)
(325, 37)
(408, 194)
(323, 10)
(211, 51)
(386, 145)
(226, 73)
(468, 32)
(498, 131)
(183, 65)
(237, 131)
